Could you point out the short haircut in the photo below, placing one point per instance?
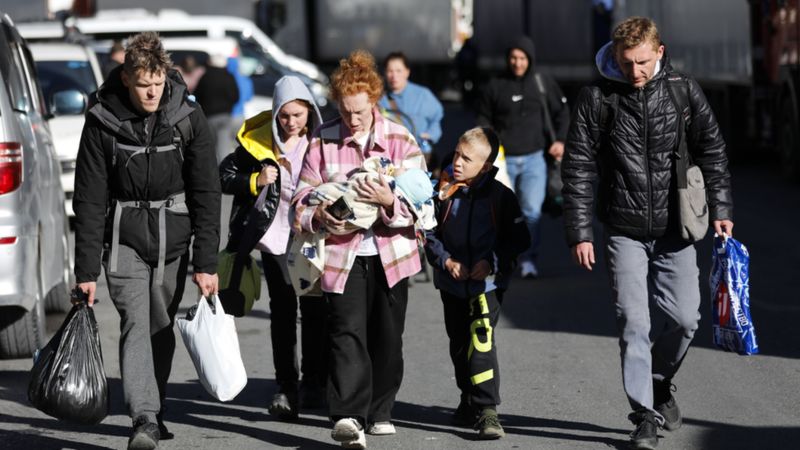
(634, 31)
(355, 75)
(145, 53)
(482, 137)
(395, 55)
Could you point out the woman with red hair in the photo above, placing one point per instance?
(365, 278)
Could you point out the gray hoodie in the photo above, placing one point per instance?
(287, 89)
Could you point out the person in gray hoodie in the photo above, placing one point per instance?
(262, 174)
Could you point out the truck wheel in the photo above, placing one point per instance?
(57, 299)
(22, 337)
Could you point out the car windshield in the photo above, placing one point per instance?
(56, 76)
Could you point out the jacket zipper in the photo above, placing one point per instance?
(647, 167)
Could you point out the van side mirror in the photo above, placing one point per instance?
(70, 102)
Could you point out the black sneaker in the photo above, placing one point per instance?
(162, 429)
(465, 414)
(666, 405)
(312, 396)
(488, 425)
(284, 406)
(145, 435)
(645, 435)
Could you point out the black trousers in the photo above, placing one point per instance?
(366, 335)
(470, 324)
(283, 329)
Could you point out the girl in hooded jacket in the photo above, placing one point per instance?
(266, 167)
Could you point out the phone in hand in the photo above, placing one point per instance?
(340, 209)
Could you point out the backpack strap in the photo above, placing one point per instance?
(678, 90)
(609, 101)
(182, 134)
(548, 119)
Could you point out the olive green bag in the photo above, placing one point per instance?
(239, 283)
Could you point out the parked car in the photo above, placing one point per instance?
(119, 24)
(34, 235)
(61, 68)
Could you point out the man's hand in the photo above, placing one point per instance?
(377, 192)
(327, 220)
(723, 227)
(456, 269)
(556, 150)
(583, 254)
(207, 282)
(268, 175)
(88, 288)
(480, 270)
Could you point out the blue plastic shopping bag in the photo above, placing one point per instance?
(730, 297)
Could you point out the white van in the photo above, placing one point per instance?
(61, 68)
(256, 46)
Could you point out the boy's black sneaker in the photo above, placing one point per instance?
(145, 435)
(465, 414)
(284, 405)
(488, 425)
(645, 435)
(666, 405)
(162, 429)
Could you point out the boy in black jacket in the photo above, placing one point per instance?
(481, 232)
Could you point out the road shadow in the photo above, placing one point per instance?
(438, 419)
(20, 439)
(719, 436)
(569, 299)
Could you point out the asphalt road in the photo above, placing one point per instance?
(558, 357)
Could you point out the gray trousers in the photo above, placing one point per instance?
(656, 292)
(147, 341)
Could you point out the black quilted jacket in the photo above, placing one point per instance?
(632, 158)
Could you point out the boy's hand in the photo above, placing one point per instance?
(456, 269)
(480, 270)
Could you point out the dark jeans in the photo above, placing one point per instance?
(366, 334)
(470, 325)
(283, 328)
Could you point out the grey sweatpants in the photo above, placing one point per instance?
(656, 294)
(147, 340)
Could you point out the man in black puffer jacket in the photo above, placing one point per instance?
(625, 134)
(146, 181)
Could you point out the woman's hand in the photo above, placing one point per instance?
(325, 219)
(377, 192)
(268, 175)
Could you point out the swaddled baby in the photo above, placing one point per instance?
(412, 186)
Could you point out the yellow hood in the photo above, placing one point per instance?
(255, 136)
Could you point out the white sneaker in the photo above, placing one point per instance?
(350, 433)
(381, 429)
(528, 270)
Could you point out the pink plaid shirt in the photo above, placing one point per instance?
(333, 150)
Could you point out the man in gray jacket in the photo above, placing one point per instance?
(626, 134)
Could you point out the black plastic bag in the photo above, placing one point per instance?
(68, 380)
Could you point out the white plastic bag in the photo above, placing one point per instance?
(210, 337)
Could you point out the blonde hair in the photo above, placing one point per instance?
(482, 138)
(146, 53)
(357, 74)
(634, 31)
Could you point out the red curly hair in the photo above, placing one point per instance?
(357, 74)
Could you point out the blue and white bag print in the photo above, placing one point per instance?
(730, 297)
